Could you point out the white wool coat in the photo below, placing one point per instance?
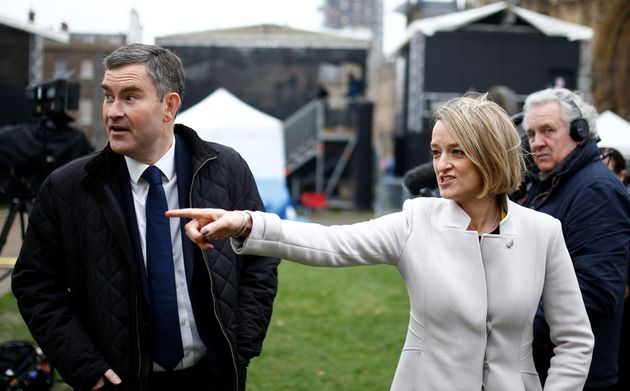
(472, 299)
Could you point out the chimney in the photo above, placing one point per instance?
(31, 16)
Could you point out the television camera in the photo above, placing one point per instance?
(30, 151)
(53, 97)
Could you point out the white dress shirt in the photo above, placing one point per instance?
(194, 349)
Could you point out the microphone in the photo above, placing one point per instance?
(419, 178)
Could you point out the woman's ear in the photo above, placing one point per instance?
(173, 103)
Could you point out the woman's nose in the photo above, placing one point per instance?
(443, 162)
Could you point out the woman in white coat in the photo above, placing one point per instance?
(475, 264)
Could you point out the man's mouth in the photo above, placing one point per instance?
(116, 128)
(541, 155)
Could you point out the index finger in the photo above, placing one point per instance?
(189, 213)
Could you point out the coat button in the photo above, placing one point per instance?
(509, 242)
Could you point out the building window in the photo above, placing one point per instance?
(87, 70)
(85, 112)
(60, 69)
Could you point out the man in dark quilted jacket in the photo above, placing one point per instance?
(112, 306)
(572, 185)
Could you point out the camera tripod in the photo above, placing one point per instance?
(19, 206)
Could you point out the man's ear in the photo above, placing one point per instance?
(173, 103)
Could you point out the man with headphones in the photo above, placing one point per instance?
(574, 186)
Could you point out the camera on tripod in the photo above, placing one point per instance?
(53, 97)
(30, 151)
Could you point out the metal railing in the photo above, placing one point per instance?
(307, 133)
(301, 131)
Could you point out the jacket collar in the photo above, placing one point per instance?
(200, 150)
(458, 219)
(583, 155)
(105, 164)
(543, 188)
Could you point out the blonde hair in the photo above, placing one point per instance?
(489, 139)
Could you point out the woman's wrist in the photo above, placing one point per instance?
(246, 225)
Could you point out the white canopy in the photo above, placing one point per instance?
(259, 138)
(614, 132)
(223, 118)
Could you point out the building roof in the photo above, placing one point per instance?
(59, 36)
(267, 36)
(429, 8)
(454, 21)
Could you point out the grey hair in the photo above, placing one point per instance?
(163, 66)
(571, 103)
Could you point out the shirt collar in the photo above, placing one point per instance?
(166, 164)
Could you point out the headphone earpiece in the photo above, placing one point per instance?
(578, 128)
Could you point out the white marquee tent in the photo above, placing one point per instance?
(614, 132)
(223, 118)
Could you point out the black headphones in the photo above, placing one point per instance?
(578, 128)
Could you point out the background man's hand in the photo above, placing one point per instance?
(110, 376)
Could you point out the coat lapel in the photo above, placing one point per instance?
(184, 178)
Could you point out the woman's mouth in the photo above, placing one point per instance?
(446, 179)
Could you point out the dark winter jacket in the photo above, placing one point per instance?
(594, 209)
(77, 283)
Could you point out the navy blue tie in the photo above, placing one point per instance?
(167, 339)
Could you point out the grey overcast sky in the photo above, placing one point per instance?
(164, 17)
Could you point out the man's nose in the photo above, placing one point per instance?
(114, 109)
(536, 141)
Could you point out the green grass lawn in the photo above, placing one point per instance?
(11, 324)
(332, 329)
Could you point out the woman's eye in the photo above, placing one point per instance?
(458, 152)
(435, 153)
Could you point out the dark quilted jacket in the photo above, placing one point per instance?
(76, 280)
(594, 209)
